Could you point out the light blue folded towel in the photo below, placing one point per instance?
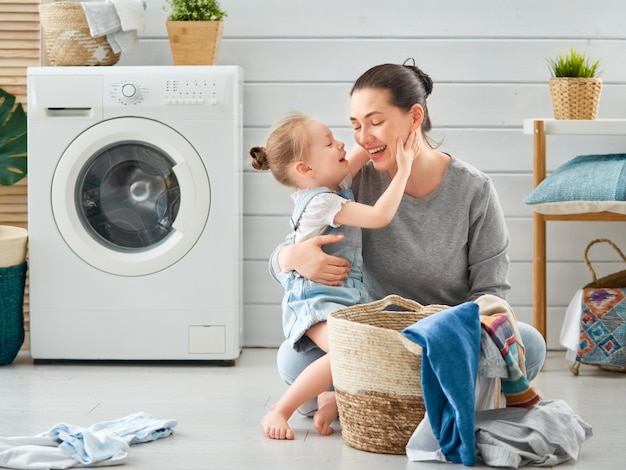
(66, 445)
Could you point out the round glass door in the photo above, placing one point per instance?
(130, 196)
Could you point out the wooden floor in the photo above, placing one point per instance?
(218, 411)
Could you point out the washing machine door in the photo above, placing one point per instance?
(130, 196)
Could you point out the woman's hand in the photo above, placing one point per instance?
(310, 261)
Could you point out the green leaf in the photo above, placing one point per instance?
(13, 144)
(573, 64)
(195, 10)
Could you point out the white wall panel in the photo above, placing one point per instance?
(566, 240)
(478, 105)
(263, 325)
(261, 234)
(445, 60)
(400, 18)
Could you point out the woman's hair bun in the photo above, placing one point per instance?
(424, 78)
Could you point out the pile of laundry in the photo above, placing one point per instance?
(475, 347)
(66, 445)
(118, 20)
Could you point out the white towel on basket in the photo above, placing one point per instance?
(119, 20)
(131, 14)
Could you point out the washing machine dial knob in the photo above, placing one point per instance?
(129, 92)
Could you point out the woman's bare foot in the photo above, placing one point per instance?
(275, 425)
(327, 413)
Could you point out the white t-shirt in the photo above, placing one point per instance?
(320, 212)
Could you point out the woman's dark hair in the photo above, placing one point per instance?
(407, 85)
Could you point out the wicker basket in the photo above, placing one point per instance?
(603, 301)
(575, 98)
(376, 373)
(12, 281)
(67, 39)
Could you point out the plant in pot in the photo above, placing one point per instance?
(574, 86)
(195, 28)
(13, 168)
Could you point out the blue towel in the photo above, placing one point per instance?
(450, 340)
(66, 445)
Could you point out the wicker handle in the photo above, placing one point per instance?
(382, 304)
(601, 240)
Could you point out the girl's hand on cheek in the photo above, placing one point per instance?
(407, 151)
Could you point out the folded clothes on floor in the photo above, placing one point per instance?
(66, 445)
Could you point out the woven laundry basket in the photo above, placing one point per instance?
(67, 39)
(575, 98)
(377, 373)
(12, 282)
(602, 340)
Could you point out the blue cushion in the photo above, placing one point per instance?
(587, 183)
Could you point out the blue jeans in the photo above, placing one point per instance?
(292, 363)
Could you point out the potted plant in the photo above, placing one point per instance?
(195, 28)
(13, 168)
(574, 86)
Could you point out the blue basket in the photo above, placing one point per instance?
(12, 282)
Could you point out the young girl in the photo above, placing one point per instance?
(303, 153)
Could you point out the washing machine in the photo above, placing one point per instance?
(134, 212)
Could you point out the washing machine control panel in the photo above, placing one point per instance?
(127, 92)
(193, 91)
(187, 95)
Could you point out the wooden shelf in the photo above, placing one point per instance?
(577, 127)
(540, 128)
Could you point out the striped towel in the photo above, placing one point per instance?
(516, 387)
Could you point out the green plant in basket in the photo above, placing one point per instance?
(573, 64)
(574, 85)
(196, 10)
(13, 145)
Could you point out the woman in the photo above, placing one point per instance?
(448, 242)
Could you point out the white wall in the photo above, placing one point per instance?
(488, 61)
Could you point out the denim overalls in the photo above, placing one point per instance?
(306, 302)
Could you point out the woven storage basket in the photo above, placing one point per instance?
(575, 98)
(377, 373)
(12, 281)
(603, 321)
(67, 39)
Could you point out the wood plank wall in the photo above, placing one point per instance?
(488, 62)
(20, 47)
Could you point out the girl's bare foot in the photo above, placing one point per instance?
(327, 412)
(275, 425)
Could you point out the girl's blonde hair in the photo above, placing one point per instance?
(287, 143)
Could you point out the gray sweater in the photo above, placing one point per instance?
(445, 248)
